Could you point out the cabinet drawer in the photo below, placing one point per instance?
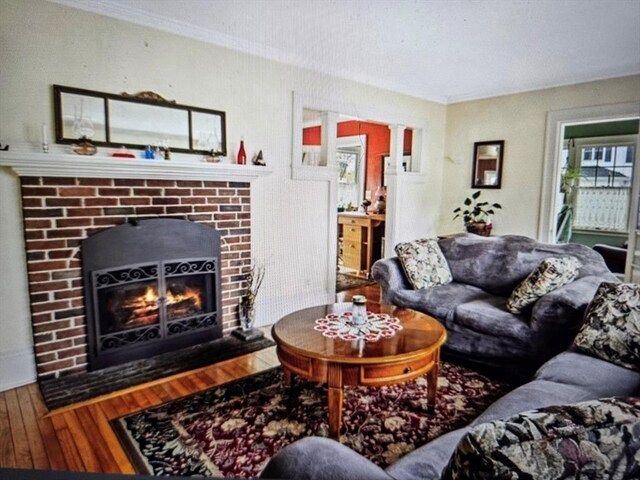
(353, 221)
(395, 372)
(352, 232)
(351, 248)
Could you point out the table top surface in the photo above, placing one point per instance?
(420, 334)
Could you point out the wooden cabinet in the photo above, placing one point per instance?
(361, 237)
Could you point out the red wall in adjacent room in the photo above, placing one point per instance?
(378, 137)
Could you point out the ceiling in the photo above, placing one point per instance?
(446, 51)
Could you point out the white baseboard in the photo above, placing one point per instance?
(17, 369)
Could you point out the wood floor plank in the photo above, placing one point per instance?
(7, 452)
(110, 438)
(131, 402)
(18, 431)
(188, 384)
(108, 408)
(152, 396)
(47, 432)
(82, 442)
(69, 448)
(36, 445)
(174, 389)
(207, 379)
(120, 406)
(98, 444)
(162, 393)
(141, 399)
(200, 385)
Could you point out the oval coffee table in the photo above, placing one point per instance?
(412, 352)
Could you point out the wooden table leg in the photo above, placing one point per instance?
(432, 384)
(336, 397)
(287, 377)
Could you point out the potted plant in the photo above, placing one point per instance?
(476, 214)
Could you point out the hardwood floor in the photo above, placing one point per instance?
(79, 438)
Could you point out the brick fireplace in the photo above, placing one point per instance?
(59, 212)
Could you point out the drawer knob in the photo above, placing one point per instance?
(407, 370)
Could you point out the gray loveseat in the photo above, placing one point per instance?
(485, 270)
(567, 378)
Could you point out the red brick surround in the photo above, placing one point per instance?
(60, 212)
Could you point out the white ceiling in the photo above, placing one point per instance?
(446, 51)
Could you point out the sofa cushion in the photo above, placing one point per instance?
(314, 458)
(601, 378)
(498, 264)
(489, 316)
(423, 263)
(552, 273)
(612, 325)
(428, 461)
(535, 394)
(594, 439)
(439, 301)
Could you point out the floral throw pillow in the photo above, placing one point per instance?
(589, 440)
(611, 330)
(552, 273)
(423, 263)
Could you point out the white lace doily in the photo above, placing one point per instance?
(377, 326)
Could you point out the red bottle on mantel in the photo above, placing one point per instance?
(242, 155)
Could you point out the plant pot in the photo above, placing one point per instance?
(482, 229)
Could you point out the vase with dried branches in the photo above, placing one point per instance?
(253, 280)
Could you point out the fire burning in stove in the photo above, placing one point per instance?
(139, 309)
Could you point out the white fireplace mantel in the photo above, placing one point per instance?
(37, 164)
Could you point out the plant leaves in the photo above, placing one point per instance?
(476, 195)
(468, 201)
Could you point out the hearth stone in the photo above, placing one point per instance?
(60, 392)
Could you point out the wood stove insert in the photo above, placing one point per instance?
(151, 286)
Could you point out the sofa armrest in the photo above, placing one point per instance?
(321, 458)
(388, 273)
(557, 316)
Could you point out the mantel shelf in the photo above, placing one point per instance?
(32, 164)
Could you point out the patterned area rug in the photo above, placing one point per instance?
(232, 430)
(345, 282)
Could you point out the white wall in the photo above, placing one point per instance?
(519, 120)
(45, 43)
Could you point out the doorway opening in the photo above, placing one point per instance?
(361, 148)
(595, 197)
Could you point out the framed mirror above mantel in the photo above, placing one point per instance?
(136, 121)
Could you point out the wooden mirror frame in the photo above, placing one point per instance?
(477, 182)
(143, 98)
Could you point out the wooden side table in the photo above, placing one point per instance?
(412, 352)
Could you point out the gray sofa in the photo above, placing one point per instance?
(485, 270)
(567, 378)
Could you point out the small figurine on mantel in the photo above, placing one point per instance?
(259, 159)
(364, 206)
(212, 157)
